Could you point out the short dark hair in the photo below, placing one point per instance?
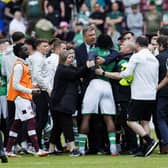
(163, 41)
(152, 2)
(31, 41)
(17, 48)
(104, 41)
(39, 41)
(57, 43)
(53, 40)
(163, 31)
(127, 32)
(134, 6)
(142, 41)
(16, 36)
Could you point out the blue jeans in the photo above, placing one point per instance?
(162, 117)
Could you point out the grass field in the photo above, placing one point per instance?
(89, 161)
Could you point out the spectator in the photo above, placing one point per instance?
(162, 31)
(17, 24)
(68, 5)
(2, 18)
(128, 6)
(52, 15)
(114, 34)
(97, 17)
(11, 8)
(64, 32)
(78, 37)
(152, 20)
(83, 15)
(59, 5)
(44, 29)
(164, 22)
(32, 10)
(115, 17)
(135, 21)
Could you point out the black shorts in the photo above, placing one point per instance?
(141, 110)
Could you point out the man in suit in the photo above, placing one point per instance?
(97, 127)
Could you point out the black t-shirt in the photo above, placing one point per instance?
(56, 4)
(101, 16)
(14, 6)
(54, 18)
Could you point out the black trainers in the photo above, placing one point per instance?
(150, 148)
(4, 159)
(54, 153)
(139, 154)
(74, 153)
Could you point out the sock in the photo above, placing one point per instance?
(34, 141)
(51, 147)
(24, 144)
(76, 134)
(13, 133)
(112, 140)
(147, 138)
(82, 142)
(32, 133)
(71, 146)
(11, 140)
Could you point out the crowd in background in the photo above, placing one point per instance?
(71, 47)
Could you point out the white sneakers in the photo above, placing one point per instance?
(11, 154)
(41, 153)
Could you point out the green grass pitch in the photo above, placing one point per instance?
(90, 161)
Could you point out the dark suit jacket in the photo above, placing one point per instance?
(82, 56)
(162, 57)
(64, 95)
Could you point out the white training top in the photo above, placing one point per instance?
(52, 63)
(39, 71)
(145, 68)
